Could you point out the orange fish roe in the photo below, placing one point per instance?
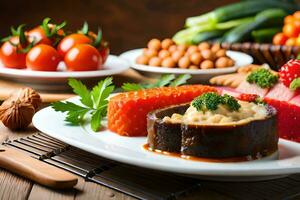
(127, 111)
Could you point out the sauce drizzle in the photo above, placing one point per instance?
(202, 159)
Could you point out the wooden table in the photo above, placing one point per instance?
(13, 187)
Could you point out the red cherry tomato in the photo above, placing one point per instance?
(43, 58)
(104, 53)
(70, 41)
(38, 34)
(10, 57)
(290, 30)
(289, 19)
(279, 39)
(83, 57)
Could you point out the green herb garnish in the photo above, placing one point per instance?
(295, 84)
(263, 78)
(93, 103)
(211, 100)
(164, 80)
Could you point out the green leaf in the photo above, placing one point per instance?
(295, 84)
(85, 28)
(96, 120)
(80, 89)
(101, 92)
(180, 80)
(132, 87)
(298, 57)
(165, 80)
(45, 26)
(66, 106)
(98, 39)
(76, 117)
(75, 113)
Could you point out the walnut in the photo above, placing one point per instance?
(26, 95)
(16, 115)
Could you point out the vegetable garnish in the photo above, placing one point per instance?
(211, 100)
(251, 98)
(263, 78)
(94, 103)
(164, 80)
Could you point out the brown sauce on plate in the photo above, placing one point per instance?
(202, 159)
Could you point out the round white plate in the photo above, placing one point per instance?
(198, 76)
(129, 150)
(57, 80)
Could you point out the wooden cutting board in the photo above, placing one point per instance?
(7, 87)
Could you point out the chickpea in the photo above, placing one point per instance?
(203, 45)
(164, 54)
(221, 62)
(215, 47)
(184, 62)
(143, 60)
(166, 43)
(207, 54)
(192, 49)
(196, 58)
(221, 53)
(150, 53)
(154, 44)
(230, 62)
(155, 61)
(176, 55)
(193, 67)
(182, 47)
(207, 64)
(168, 62)
(172, 48)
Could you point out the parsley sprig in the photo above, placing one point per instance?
(93, 102)
(264, 78)
(211, 101)
(164, 80)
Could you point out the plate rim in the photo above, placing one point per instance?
(22, 73)
(233, 172)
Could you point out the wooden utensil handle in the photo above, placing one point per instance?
(35, 170)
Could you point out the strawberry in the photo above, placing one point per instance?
(289, 71)
(248, 97)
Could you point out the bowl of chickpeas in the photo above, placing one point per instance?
(201, 61)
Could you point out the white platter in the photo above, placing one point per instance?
(198, 76)
(129, 150)
(57, 80)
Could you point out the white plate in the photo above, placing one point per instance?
(57, 80)
(129, 150)
(198, 76)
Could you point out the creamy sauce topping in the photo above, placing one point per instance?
(248, 112)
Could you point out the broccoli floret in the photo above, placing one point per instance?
(263, 78)
(231, 102)
(210, 101)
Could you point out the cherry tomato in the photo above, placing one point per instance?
(104, 53)
(38, 34)
(70, 41)
(83, 57)
(289, 19)
(297, 15)
(298, 41)
(291, 42)
(279, 39)
(10, 57)
(43, 58)
(290, 30)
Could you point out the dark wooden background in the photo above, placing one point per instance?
(127, 24)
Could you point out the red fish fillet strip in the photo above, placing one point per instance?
(127, 111)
